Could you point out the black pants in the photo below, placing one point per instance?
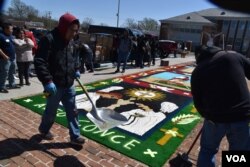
(87, 61)
(23, 71)
(139, 60)
(153, 57)
(147, 58)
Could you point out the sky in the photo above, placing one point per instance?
(104, 11)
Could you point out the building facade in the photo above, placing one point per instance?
(194, 27)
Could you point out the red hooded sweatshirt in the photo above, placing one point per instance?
(64, 23)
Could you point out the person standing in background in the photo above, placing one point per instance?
(133, 54)
(153, 50)
(30, 35)
(87, 58)
(141, 47)
(7, 58)
(124, 50)
(24, 55)
(114, 51)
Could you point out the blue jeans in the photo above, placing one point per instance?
(7, 70)
(122, 57)
(237, 133)
(67, 96)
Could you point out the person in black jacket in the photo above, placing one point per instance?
(86, 55)
(57, 66)
(221, 96)
(141, 50)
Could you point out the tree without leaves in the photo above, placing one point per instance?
(17, 9)
(148, 24)
(22, 11)
(130, 23)
(86, 22)
(32, 13)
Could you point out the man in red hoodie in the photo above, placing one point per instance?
(57, 66)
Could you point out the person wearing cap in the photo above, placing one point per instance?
(221, 96)
(57, 66)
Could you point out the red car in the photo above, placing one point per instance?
(166, 47)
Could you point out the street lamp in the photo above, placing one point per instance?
(118, 13)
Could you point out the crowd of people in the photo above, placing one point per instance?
(140, 51)
(17, 49)
(218, 83)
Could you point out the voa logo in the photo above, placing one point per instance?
(236, 158)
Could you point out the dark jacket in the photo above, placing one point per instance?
(219, 87)
(56, 60)
(86, 52)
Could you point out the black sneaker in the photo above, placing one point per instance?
(77, 141)
(28, 83)
(47, 136)
(4, 90)
(117, 71)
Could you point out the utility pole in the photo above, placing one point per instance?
(49, 17)
(118, 13)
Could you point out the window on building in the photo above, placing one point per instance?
(248, 29)
(225, 26)
(242, 25)
(245, 46)
(198, 31)
(230, 41)
(241, 28)
(193, 31)
(182, 29)
(232, 29)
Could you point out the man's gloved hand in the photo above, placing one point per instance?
(77, 74)
(50, 89)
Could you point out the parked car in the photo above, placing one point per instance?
(166, 47)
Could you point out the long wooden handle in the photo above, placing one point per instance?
(85, 91)
(196, 138)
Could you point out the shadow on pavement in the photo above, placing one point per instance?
(16, 146)
(66, 161)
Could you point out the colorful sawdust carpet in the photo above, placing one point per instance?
(157, 104)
